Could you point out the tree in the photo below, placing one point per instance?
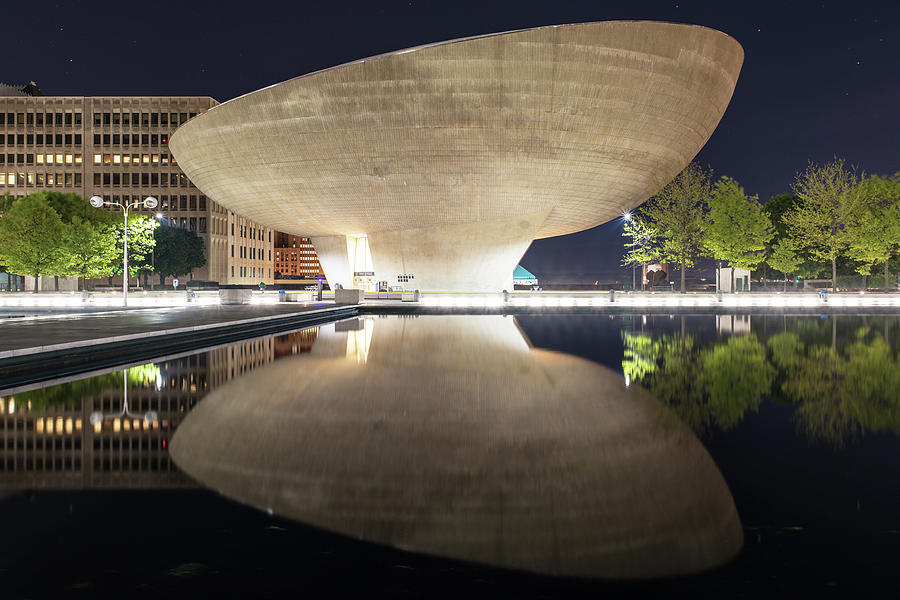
(30, 234)
(676, 213)
(736, 228)
(91, 248)
(878, 229)
(178, 251)
(784, 257)
(775, 208)
(825, 220)
(642, 247)
(140, 243)
(90, 236)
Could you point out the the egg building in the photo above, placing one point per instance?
(435, 167)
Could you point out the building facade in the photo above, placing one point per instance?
(56, 446)
(117, 148)
(295, 259)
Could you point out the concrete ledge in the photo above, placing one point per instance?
(154, 334)
(297, 297)
(342, 296)
(29, 365)
(235, 296)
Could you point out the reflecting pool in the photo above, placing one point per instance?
(540, 455)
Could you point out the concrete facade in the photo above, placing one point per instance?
(496, 140)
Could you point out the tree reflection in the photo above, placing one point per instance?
(841, 394)
(708, 388)
(841, 388)
(73, 392)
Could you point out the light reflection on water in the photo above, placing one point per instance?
(458, 437)
(449, 435)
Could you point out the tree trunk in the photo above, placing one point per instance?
(682, 276)
(864, 282)
(834, 274)
(834, 332)
(719, 277)
(887, 283)
(37, 276)
(733, 288)
(56, 283)
(785, 282)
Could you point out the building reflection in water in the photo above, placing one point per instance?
(451, 436)
(47, 440)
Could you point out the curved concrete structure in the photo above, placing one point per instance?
(449, 435)
(450, 158)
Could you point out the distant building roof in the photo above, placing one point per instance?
(29, 89)
(522, 273)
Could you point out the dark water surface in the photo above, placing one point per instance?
(443, 456)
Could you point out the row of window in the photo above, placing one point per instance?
(254, 233)
(134, 139)
(251, 272)
(41, 159)
(41, 179)
(39, 139)
(142, 119)
(19, 463)
(133, 159)
(40, 119)
(255, 253)
(145, 179)
(166, 203)
(73, 118)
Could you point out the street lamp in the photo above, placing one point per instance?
(159, 217)
(150, 417)
(149, 202)
(627, 216)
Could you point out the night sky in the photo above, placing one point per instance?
(820, 79)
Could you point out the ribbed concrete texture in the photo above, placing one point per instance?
(449, 435)
(580, 121)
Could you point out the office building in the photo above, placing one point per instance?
(117, 148)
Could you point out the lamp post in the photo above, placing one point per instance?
(149, 202)
(627, 216)
(149, 417)
(159, 217)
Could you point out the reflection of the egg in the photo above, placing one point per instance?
(449, 435)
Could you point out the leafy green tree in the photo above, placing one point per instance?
(91, 248)
(178, 251)
(878, 229)
(785, 257)
(140, 244)
(30, 234)
(776, 208)
(642, 247)
(825, 221)
(736, 228)
(676, 213)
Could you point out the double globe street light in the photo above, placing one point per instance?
(149, 203)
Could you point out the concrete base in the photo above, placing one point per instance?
(235, 296)
(345, 296)
(297, 297)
